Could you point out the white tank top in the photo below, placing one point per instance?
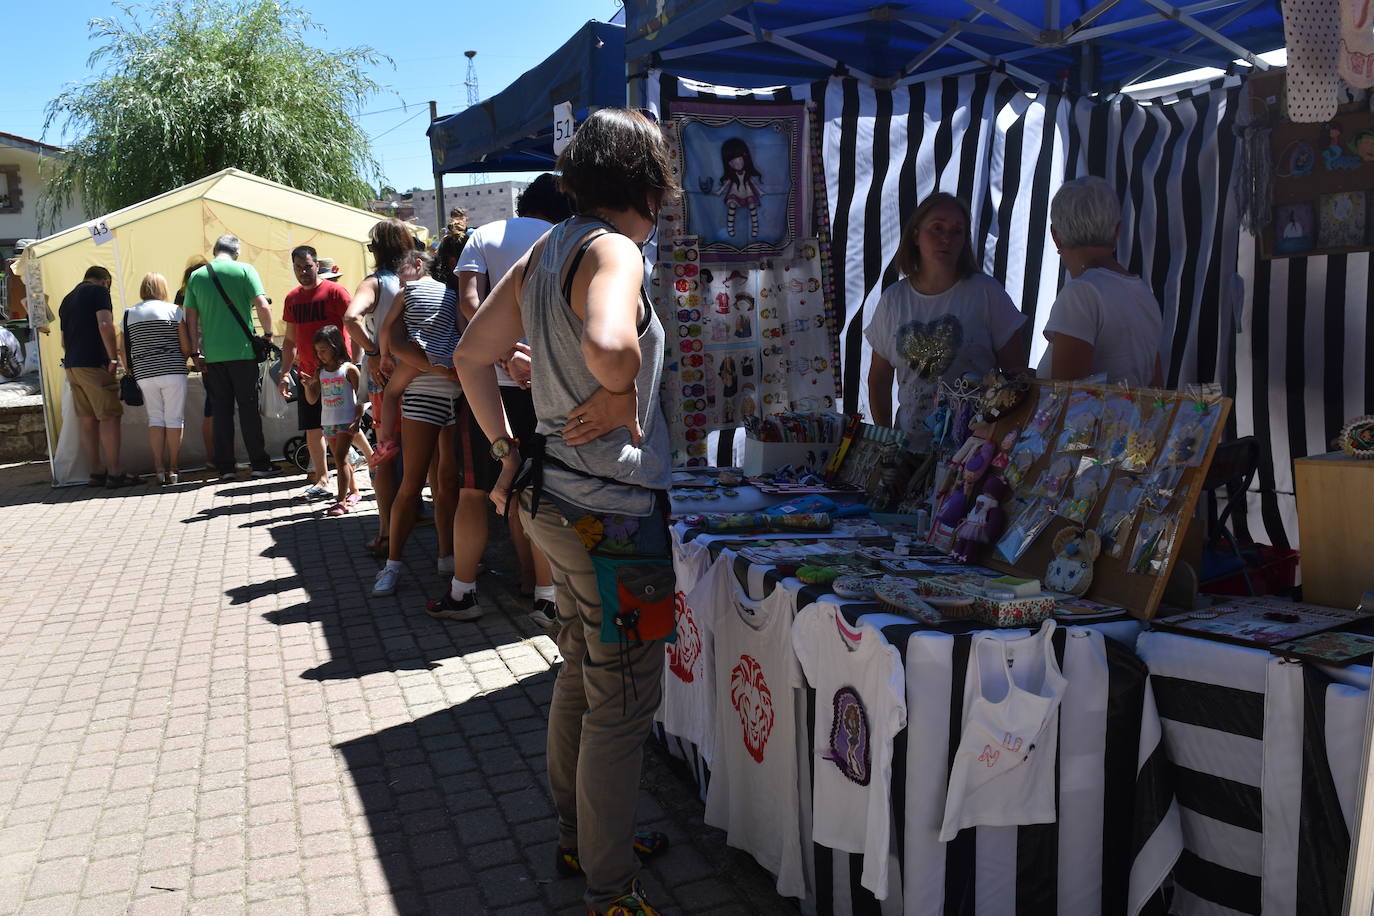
(338, 400)
(1003, 772)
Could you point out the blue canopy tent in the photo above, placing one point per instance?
(1097, 46)
(513, 130)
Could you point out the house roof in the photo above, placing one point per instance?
(32, 146)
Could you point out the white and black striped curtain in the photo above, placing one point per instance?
(1289, 339)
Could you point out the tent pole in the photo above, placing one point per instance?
(439, 221)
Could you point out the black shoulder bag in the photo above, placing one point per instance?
(262, 347)
(129, 392)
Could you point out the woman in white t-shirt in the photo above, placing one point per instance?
(1105, 319)
(943, 319)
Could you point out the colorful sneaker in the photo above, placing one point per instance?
(446, 608)
(385, 583)
(631, 903)
(544, 614)
(647, 844)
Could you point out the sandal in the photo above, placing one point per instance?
(382, 452)
(352, 500)
(97, 480)
(336, 510)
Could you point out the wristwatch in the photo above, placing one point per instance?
(503, 447)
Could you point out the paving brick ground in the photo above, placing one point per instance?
(202, 712)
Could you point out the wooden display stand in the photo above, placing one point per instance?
(1113, 582)
(1335, 504)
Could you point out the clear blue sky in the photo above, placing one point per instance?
(49, 43)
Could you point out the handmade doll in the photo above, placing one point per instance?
(985, 521)
(975, 465)
(1003, 392)
(1071, 570)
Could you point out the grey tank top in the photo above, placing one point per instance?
(561, 381)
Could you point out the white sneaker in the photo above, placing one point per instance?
(445, 565)
(545, 614)
(385, 583)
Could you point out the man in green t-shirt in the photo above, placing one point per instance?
(224, 354)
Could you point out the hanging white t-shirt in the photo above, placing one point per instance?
(929, 338)
(1118, 315)
(1003, 771)
(860, 708)
(754, 795)
(689, 696)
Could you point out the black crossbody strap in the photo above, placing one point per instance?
(128, 352)
(577, 262)
(209, 268)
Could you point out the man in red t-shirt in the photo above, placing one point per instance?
(317, 302)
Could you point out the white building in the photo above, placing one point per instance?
(20, 189)
(485, 203)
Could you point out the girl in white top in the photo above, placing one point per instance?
(341, 410)
(943, 319)
(1105, 319)
(156, 336)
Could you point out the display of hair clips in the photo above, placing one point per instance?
(1154, 541)
(1120, 415)
(1047, 409)
(1052, 480)
(1118, 512)
(1019, 464)
(1143, 442)
(1159, 487)
(1191, 431)
(1087, 486)
(1080, 421)
(1032, 520)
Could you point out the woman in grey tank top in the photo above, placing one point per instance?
(596, 357)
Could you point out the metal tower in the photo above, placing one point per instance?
(471, 81)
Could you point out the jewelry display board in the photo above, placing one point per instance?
(1126, 465)
(1322, 174)
(743, 283)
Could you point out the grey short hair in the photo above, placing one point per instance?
(1085, 213)
(229, 244)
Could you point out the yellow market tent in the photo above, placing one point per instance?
(162, 233)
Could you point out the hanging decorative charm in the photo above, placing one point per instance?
(1357, 438)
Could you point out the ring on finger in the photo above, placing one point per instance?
(581, 420)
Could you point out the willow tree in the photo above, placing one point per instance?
(186, 88)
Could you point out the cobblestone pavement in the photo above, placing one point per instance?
(202, 712)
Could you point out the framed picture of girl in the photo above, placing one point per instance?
(742, 174)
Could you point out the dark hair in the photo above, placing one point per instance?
(390, 242)
(445, 260)
(735, 148)
(544, 199)
(909, 253)
(617, 160)
(331, 335)
(97, 274)
(303, 251)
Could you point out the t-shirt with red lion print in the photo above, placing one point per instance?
(755, 793)
(689, 696)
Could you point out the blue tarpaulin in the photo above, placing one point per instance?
(1093, 45)
(513, 130)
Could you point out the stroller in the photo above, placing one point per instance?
(295, 451)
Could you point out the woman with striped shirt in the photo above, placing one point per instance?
(158, 342)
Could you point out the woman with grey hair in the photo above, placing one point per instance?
(1105, 320)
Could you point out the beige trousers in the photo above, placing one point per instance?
(603, 706)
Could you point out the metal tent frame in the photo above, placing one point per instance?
(1091, 47)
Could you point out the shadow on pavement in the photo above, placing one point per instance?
(365, 634)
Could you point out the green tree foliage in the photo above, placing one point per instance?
(191, 87)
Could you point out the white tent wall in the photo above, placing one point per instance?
(160, 235)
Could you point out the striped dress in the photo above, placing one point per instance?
(154, 346)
